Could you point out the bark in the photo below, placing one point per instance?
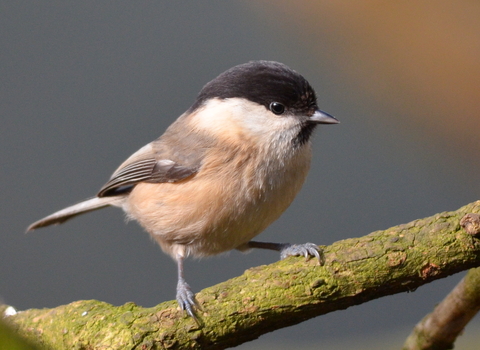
(267, 298)
(440, 329)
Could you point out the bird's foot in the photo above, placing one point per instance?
(306, 250)
(186, 298)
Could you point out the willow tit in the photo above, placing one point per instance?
(222, 172)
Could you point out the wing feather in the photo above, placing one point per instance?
(173, 157)
(144, 166)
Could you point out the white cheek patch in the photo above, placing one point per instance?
(216, 118)
(237, 118)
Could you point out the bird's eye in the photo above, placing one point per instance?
(277, 108)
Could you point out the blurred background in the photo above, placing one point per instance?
(85, 84)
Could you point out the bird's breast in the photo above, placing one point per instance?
(233, 198)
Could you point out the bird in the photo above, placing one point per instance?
(222, 172)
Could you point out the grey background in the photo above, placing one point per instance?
(85, 84)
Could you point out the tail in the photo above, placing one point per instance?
(74, 210)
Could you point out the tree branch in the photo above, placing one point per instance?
(267, 298)
(440, 329)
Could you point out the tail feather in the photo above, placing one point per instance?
(74, 210)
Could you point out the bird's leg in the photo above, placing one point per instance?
(287, 249)
(185, 296)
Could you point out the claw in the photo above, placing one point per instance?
(307, 250)
(186, 298)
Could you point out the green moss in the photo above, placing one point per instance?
(266, 298)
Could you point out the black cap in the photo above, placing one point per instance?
(262, 82)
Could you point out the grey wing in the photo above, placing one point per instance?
(147, 165)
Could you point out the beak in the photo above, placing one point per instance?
(320, 117)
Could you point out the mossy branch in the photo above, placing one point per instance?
(267, 298)
(439, 329)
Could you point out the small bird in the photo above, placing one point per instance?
(222, 172)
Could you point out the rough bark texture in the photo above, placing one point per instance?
(266, 298)
(440, 329)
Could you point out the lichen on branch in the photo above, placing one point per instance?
(267, 298)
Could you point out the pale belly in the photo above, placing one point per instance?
(207, 215)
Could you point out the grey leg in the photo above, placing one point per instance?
(185, 296)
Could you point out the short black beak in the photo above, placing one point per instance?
(320, 117)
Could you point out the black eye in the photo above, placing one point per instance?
(277, 108)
